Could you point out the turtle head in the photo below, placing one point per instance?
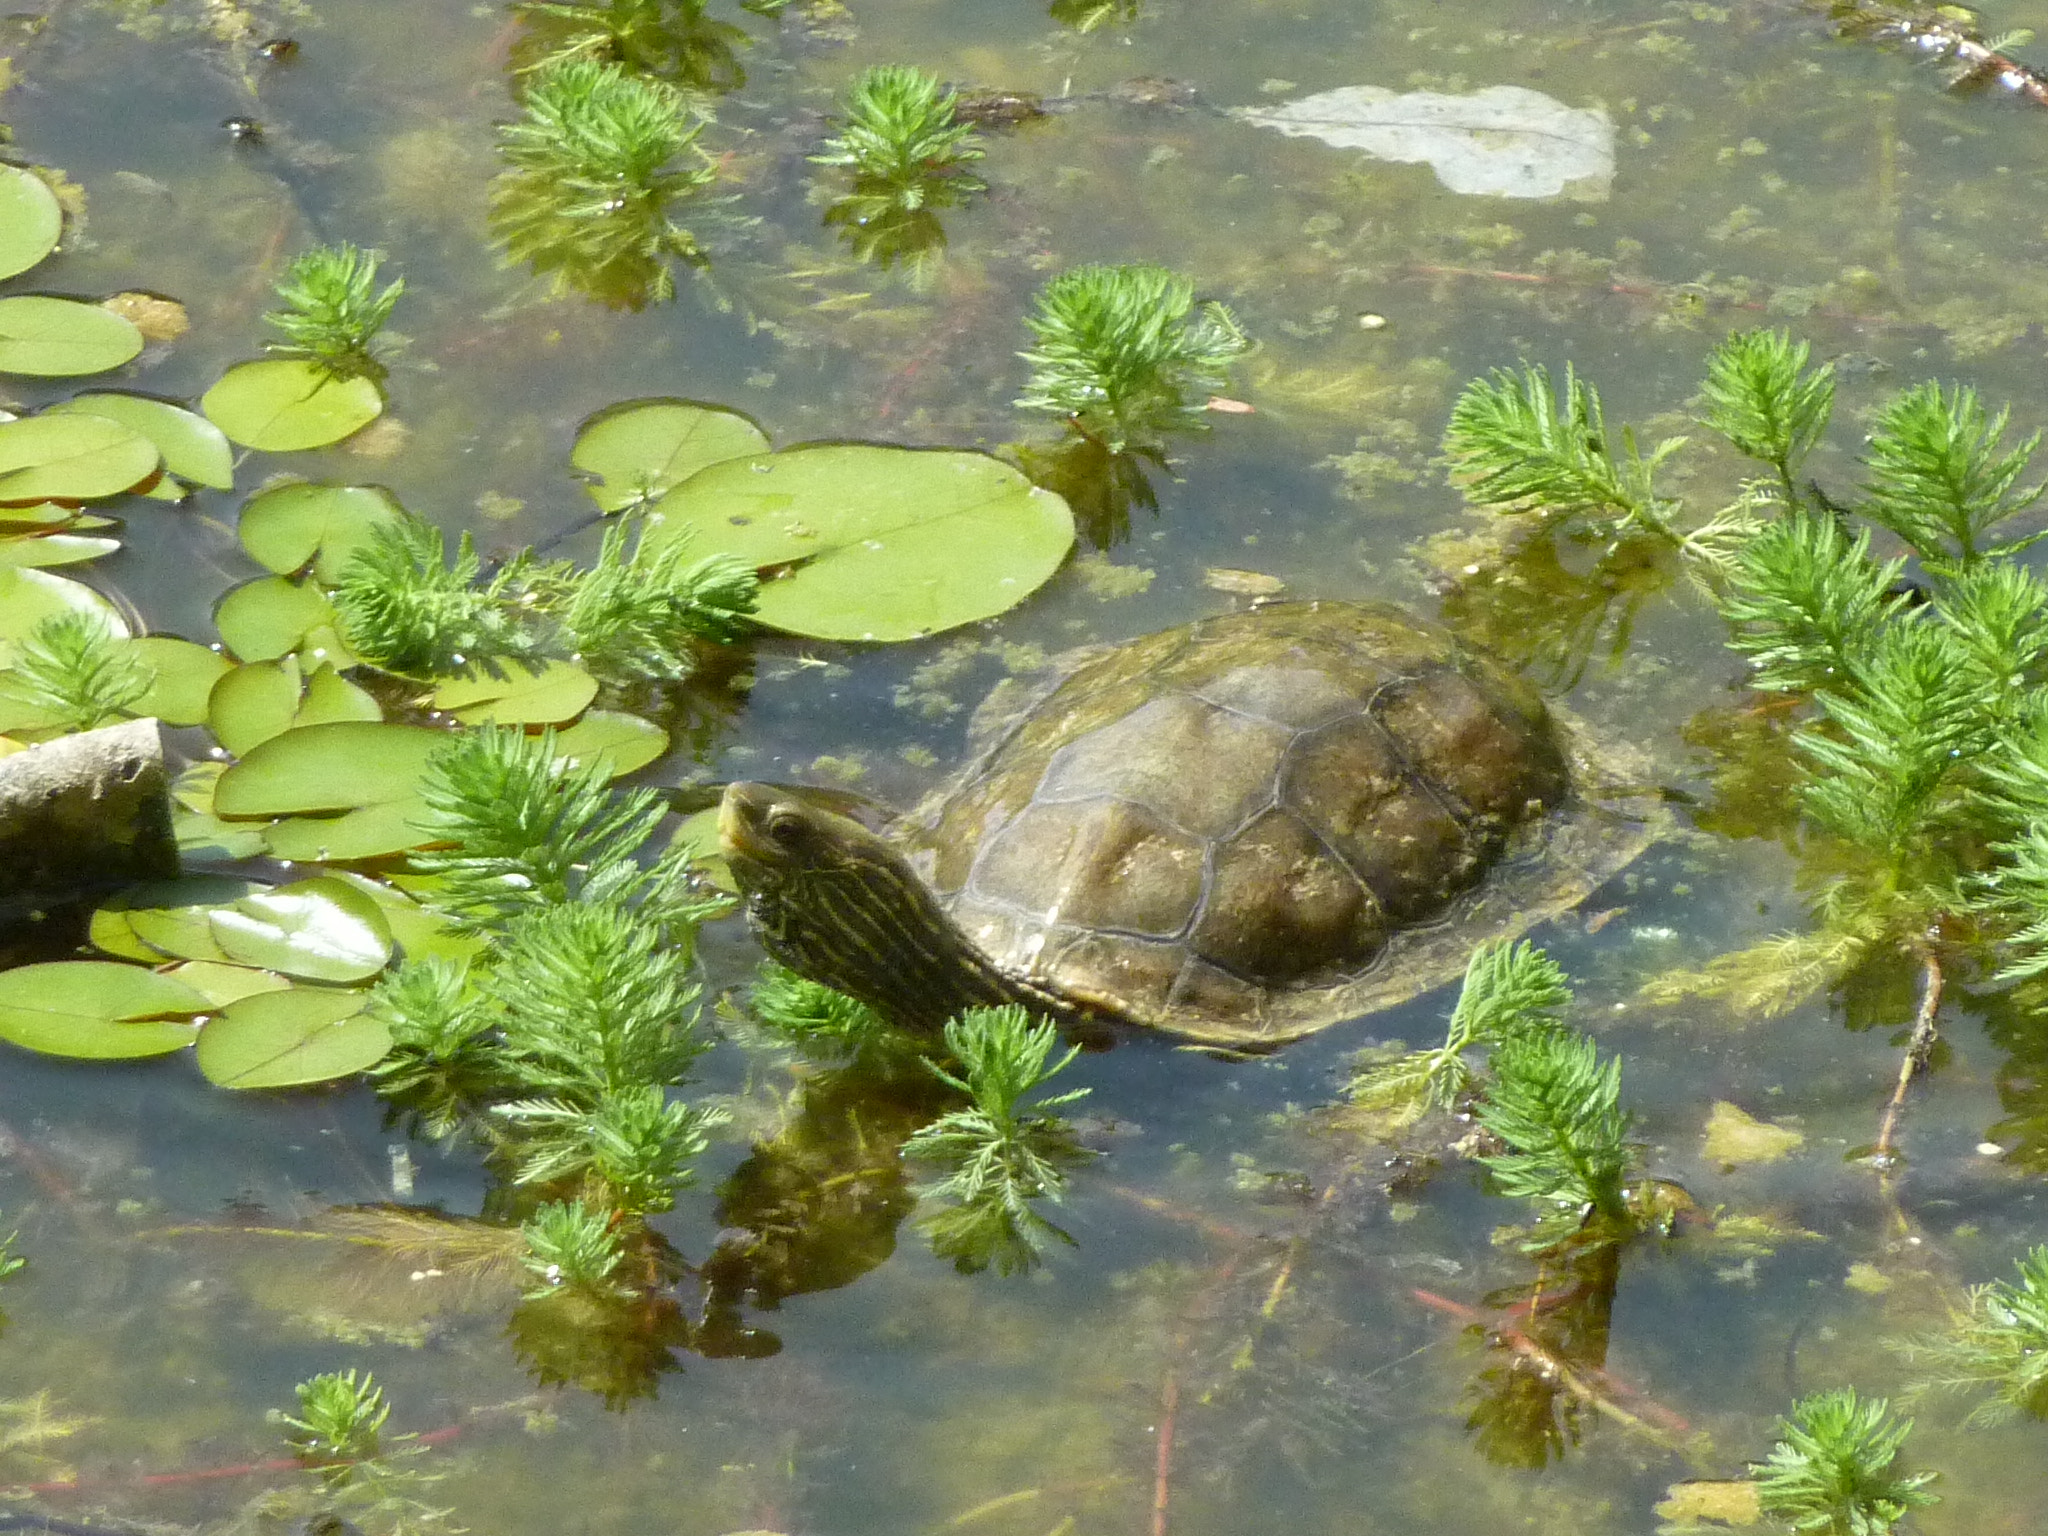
(834, 901)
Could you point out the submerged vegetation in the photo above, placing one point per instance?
(1831, 1472)
(333, 310)
(907, 153)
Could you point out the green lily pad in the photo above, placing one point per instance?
(172, 917)
(223, 984)
(418, 931)
(318, 930)
(202, 836)
(327, 768)
(42, 517)
(97, 1010)
(61, 338)
(263, 619)
(253, 703)
(283, 404)
(371, 832)
(193, 448)
(31, 220)
(71, 458)
(185, 675)
(292, 526)
(288, 1039)
(638, 449)
(884, 543)
(554, 692)
(625, 742)
(55, 549)
(27, 597)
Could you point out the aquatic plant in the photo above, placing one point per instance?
(1942, 481)
(1001, 1157)
(671, 40)
(572, 1245)
(1557, 1105)
(11, 1263)
(640, 611)
(1996, 1343)
(333, 310)
(1831, 1468)
(816, 1015)
(593, 178)
(75, 670)
(1509, 990)
(341, 1416)
(1761, 395)
(1124, 354)
(902, 138)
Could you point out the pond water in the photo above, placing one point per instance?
(1262, 1321)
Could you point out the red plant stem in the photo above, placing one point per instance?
(1162, 1473)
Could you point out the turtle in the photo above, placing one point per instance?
(1239, 831)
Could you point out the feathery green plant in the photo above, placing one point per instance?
(1509, 990)
(1830, 1471)
(1123, 353)
(11, 1263)
(902, 138)
(1000, 1156)
(1803, 598)
(444, 1057)
(671, 40)
(1762, 396)
(73, 668)
(341, 1417)
(633, 1148)
(333, 310)
(1940, 480)
(1557, 1105)
(1516, 445)
(638, 612)
(571, 1246)
(815, 1014)
(592, 178)
(1996, 1343)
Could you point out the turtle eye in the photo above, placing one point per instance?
(785, 829)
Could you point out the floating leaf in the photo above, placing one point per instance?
(284, 404)
(359, 778)
(886, 543)
(71, 458)
(523, 696)
(193, 448)
(319, 929)
(253, 703)
(418, 931)
(639, 448)
(625, 742)
(292, 526)
(223, 984)
(185, 675)
(205, 837)
(31, 220)
(288, 1039)
(54, 549)
(27, 597)
(697, 840)
(1504, 141)
(169, 917)
(60, 338)
(96, 1009)
(263, 619)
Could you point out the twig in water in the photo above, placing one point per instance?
(1919, 1049)
(1940, 34)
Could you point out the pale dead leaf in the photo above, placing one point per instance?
(1735, 1138)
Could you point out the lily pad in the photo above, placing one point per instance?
(55, 549)
(253, 703)
(319, 929)
(882, 543)
(1504, 141)
(697, 840)
(263, 619)
(337, 767)
(27, 597)
(185, 675)
(418, 931)
(71, 458)
(284, 404)
(61, 338)
(288, 1039)
(625, 742)
(193, 448)
(170, 917)
(203, 836)
(293, 526)
(548, 695)
(99, 1010)
(31, 220)
(223, 984)
(638, 449)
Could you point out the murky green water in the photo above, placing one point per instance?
(1243, 1336)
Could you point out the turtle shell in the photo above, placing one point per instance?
(1254, 826)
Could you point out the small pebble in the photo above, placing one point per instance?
(1372, 322)
(1990, 1149)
